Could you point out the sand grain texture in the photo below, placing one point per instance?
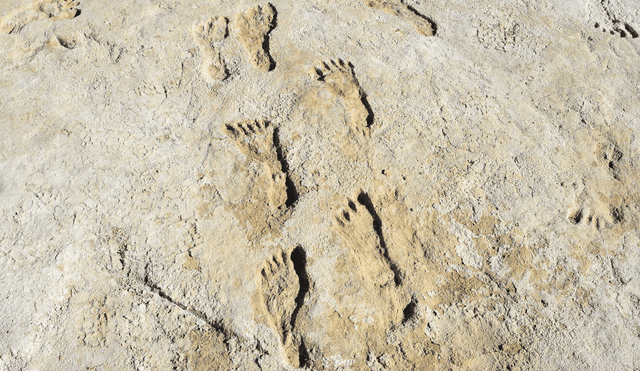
(319, 185)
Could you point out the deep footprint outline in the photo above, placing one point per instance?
(252, 28)
(245, 135)
(348, 90)
(351, 235)
(284, 323)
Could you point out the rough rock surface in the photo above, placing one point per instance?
(320, 184)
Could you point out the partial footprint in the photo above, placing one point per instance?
(355, 225)
(609, 154)
(252, 28)
(613, 17)
(340, 80)
(91, 319)
(255, 139)
(283, 286)
(599, 214)
(208, 35)
(55, 10)
(423, 25)
(617, 28)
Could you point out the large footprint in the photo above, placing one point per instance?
(354, 224)
(56, 10)
(252, 28)
(282, 295)
(339, 79)
(398, 8)
(254, 138)
(208, 35)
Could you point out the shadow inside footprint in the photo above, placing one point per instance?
(434, 26)
(576, 217)
(410, 312)
(369, 110)
(265, 43)
(631, 31)
(363, 97)
(365, 200)
(292, 193)
(299, 260)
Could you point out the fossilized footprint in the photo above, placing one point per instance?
(208, 35)
(613, 17)
(339, 79)
(354, 224)
(599, 205)
(282, 293)
(600, 215)
(254, 138)
(398, 8)
(610, 155)
(252, 28)
(55, 10)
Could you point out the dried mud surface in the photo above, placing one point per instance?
(319, 185)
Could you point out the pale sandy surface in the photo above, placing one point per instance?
(175, 196)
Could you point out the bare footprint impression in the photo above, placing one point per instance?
(398, 8)
(208, 35)
(252, 28)
(55, 10)
(255, 139)
(283, 284)
(339, 79)
(355, 224)
(366, 279)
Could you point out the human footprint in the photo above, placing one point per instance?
(208, 35)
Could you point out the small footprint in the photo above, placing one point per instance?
(355, 225)
(610, 155)
(599, 216)
(398, 8)
(208, 35)
(339, 79)
(283, 286)
(253, 27)
(56, 10)
(255, 139)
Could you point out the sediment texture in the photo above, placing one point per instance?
(320, 185)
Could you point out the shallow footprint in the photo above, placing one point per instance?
(600, 215)
(255, 139)
(340, 80)
(280, 290)
(56, 10)
(252, 29)
(208, 34)
(424, 26)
